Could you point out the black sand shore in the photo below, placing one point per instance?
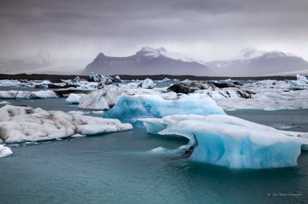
(56, 78)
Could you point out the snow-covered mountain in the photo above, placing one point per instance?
(259, 64)
(160, 61)
(146, 61)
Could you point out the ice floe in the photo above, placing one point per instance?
(7, 83)
(100, 99)
(74, 98)
(147, 84)
(15, 94)
(268, 95)
(301, 79)
(5, 151)
(4, 102)
(264, 94)
(21, 124)
(229, 141)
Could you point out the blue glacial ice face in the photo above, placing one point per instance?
(229, 141)
(132, 108)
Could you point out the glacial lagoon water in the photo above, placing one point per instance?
(117, 168)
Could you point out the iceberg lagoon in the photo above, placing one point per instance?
(190, 149)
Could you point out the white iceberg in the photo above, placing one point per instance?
(229, 141)
(21, 124)
(268, 95)
(18, 94)
(7, 83)
(108, 96)
(147, 84)
(5, 151)
(4, 102)
(74, 98)
(100, 99)
(132, 108)
(301, 79)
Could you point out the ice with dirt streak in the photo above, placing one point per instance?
(22, 124)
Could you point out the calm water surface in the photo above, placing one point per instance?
(116, 168)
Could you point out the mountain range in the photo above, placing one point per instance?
(150, 61)
(145, 61)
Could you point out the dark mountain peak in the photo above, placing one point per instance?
(100, 55)
(146, 61)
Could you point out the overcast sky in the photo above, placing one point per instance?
(202, 29)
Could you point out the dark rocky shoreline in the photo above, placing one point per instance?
(57, 78)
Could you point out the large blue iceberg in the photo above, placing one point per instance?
(132, 108)
(229, 141)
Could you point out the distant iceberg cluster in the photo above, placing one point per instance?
(229, 94)
(267, 95)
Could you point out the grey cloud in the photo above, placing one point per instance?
(78, 28)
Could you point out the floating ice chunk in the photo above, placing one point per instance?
(5, 151)
(7, 83)
(88, 125)
(21, 124)
(95, 101)
(100, 99)
(168, 152)
(74, 98)
(147, 84)
(4, 102)
(231, 142)
(78, 135)
(13, 94)
(302, 78)
(268, 95)
(131, 108)
(44, 94)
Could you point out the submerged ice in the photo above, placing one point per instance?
(231, 142)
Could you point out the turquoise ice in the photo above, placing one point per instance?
(132, 108)
(229, 141)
